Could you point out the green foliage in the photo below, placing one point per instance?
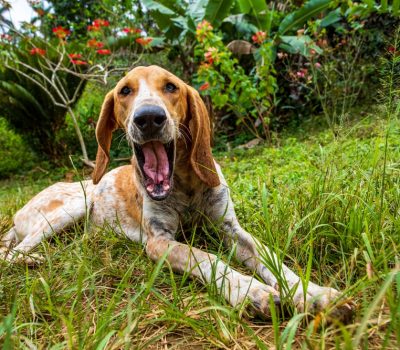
(29, 108)
(87, 111)
(15, 155)
(247, 96)
(296, 19)
(365, 8)
(216, 11)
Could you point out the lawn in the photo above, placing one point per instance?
(329, 203)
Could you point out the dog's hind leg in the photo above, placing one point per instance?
(52, 210)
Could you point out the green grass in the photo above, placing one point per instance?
(329, 204)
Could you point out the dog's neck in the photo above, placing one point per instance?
(183, 171)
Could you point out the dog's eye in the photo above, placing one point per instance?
(125, 91)
(170, 87)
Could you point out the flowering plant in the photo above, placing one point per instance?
(61, 62)
(246, 96)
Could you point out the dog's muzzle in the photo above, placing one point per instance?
(155, 157)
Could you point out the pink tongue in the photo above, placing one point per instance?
(156, 164)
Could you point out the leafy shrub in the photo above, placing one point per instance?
(87, 111)
(247, 96)
(14, 153)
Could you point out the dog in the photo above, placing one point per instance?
(173, 180)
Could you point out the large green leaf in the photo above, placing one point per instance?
(299, 45)
(217, 10)
(240, 25)
(158, 6)
(253, 7)
(197, 10)
(297, 18)
(395, 7)
(258, 10)
(22, 95)
(331, 18)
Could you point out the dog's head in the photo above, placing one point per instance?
(156, 108)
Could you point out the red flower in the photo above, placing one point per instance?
(101, 23)
(210, 55)
(95, 43)
(97, 24)
(259, 37)
(61, 32)
(144, 41)
(132, 30)
(205, 86)
(103, 52)
(37, 51)
(391, 49)
(78, 62)
(74, 55)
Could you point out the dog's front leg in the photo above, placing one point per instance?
(258, 257)
(208, 268)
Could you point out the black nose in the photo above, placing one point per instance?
(149, 118)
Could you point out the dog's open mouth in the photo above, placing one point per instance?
(156, 162)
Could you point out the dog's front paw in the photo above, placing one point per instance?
(324, 301)
(255, 296)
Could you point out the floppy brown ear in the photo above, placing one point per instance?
(104, 129)
(201, 157)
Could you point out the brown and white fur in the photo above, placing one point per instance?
(196, 192)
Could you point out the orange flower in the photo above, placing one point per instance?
(78, 62)
(144, 41)
(103, 52)
(210, 55)
(202, 29)
(93, 28)
(204, 66)
(205, 86)
(37, 51)
(74, 55)
(132, 30)
(204, 25)
(259, 37)
(61, 32)
(95, 43)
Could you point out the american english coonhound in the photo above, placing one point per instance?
(173, 180)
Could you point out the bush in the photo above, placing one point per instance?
(15, 155)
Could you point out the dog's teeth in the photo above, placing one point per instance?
(150, 187)
(165, 186)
